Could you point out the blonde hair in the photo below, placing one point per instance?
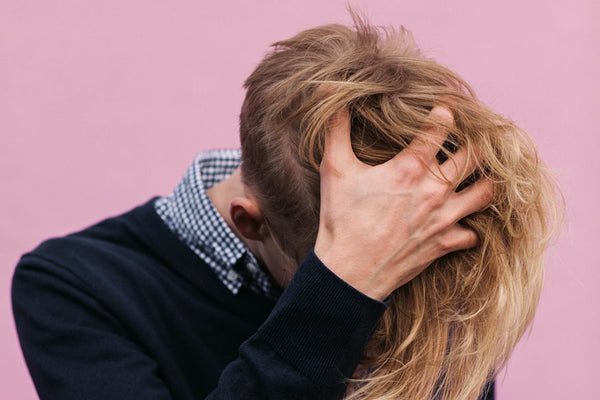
(449, 330)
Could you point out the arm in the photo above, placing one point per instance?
(381, 226)
(310, 343)
(316, 333)
(76, 349)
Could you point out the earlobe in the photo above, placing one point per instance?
(247, 218)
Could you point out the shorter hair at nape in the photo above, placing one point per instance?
(448, 331)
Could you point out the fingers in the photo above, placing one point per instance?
(338, 146)
(460, 161)
(428, 146)
(472, 199)
(458, 238)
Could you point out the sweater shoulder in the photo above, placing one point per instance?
(111, 246)
(133, 254)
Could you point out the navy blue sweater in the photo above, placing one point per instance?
(124, 310)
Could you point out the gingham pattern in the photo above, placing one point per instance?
(189, 213)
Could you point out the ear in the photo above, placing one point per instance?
(247, 218)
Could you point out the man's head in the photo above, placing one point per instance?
(464, 314)
(386, 83)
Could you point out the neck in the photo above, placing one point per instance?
(280, 266)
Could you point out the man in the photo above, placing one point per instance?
(210, 293)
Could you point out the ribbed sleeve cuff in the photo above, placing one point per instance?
(321, 324)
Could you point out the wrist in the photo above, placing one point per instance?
(352, 272)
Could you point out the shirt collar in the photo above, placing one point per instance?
(189, 212)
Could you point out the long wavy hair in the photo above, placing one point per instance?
(448, 331)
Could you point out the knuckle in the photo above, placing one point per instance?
(325, 168)
(431, 200)
(457, 239)
(474, 239)
(468, 239)
(412, 166)
(445, 244)
(434, 197)
(486, 193)
(328, 170)
(437, 227)
(442, 114)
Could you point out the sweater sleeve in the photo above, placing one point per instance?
(76, 349)
(309, 345)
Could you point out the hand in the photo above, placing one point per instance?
(381, 226)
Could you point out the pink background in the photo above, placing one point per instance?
(105, 103)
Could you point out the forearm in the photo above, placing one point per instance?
(310, 344)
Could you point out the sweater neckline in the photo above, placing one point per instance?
(147, 225)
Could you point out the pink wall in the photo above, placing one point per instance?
(104, 103)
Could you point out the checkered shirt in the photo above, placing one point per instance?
(189, 213)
